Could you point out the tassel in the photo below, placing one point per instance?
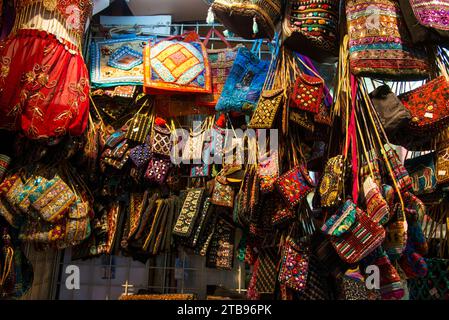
(210, 16)
(255, 26)
(226, 33)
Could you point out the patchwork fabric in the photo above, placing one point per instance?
(428, 105)
(308, 93)
(176, 66)
(116, 62)
(332, 183)
(294, 266)
(423, 173)
(244, 84)
(400, 60)
(267, 109)
(294, 185)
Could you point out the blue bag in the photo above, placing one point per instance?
(244, 84)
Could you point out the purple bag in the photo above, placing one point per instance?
(158, 169)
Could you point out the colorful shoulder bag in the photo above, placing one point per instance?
(294, 265)
(423, 173)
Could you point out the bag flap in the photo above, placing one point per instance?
(268, 94)
(310, 80)
(341, 221)
(162, 130)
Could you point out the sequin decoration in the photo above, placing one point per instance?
(294, 266)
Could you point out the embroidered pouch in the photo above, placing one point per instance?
(377, 207)
(355, 235)
(177, 66)
(265, 114)
(294, 266)
(189, 212)
(311, 28)
(294, 185)
(116, 62)
(400, 59)
(268, 171)
(220, 254)
(428, 105)
(422, 172)
(442, 166)
(51, 199)
(308, 93)
(193, 149)
(244, 84)
(19, 192)
(250, 19)
(396, 234)
(161, 143)
(140, 155)
(158, 169)
(199, 170)
(223, 194)
(332, 182)
(401, 175)
(302, 118)
(138, 128)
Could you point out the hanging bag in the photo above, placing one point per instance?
(140, 124)
(178, 64)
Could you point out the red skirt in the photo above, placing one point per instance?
(44, 86)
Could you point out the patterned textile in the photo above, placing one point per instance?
(442, 165)
(396, 234)
(189, 212)
(158, 169)
(332, 183)
(376, 206)
(244, 84)
(308, 93)
(311, 28)
(221, 62)
(140, 155)
(240, 16)
(44, 87)
(400, 173)
(177, 67)
(265, 114)
(362, 237)
(221, 250)
(352, 286)
(422, 172)
(267, 271)
(434, 286)
(428, 105)
(373, 54)
(268, 171)
(294, 266)
(103, 73)
(223, 194)
(160, 140)
(4, 163)
(294, 185)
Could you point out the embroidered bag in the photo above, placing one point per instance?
(140, 155)
(250, 19)
(267, 108)
(189, 212)
(244, 84)
(311, 28)
(139, 126)
(158, 169)
(220, 254)
(160, 141)
(308, 93)
(268, 171)
(294, 266)
(396, 234)
(177, 65)
(302, 118)
(117, 62)
(117, 156)
(428, 105)
(400, 173)
(223, 194)
(295, 185)
(353, 234)
(267, 271)
(422, 172)
(435, 285)
(221, 62)
(332, 182)
(352, 286)
(426, 20)
(399, 59)
(442, 158)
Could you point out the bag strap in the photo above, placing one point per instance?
(256, 46)
(213, 31)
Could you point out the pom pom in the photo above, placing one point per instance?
(210, 16)
(221, 121)
(160, 121)
(228, 33)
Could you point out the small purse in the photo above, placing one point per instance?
(308, 93)
(157, 170)
(267, 108)
(140, 155)
(139, 126)
(332, 183)
(268, 171)
(223, 194)
(428, 105)
(220, 254)
(423, 173)
(117, 156)
(189, 212)
(160, 141)
(352, 233)
(303, 119)
(294, 266)
(295, 185)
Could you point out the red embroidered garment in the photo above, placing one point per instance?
(44, 84)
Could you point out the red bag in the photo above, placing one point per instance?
(308, 93)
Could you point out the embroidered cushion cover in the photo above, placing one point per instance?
(176, 67)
